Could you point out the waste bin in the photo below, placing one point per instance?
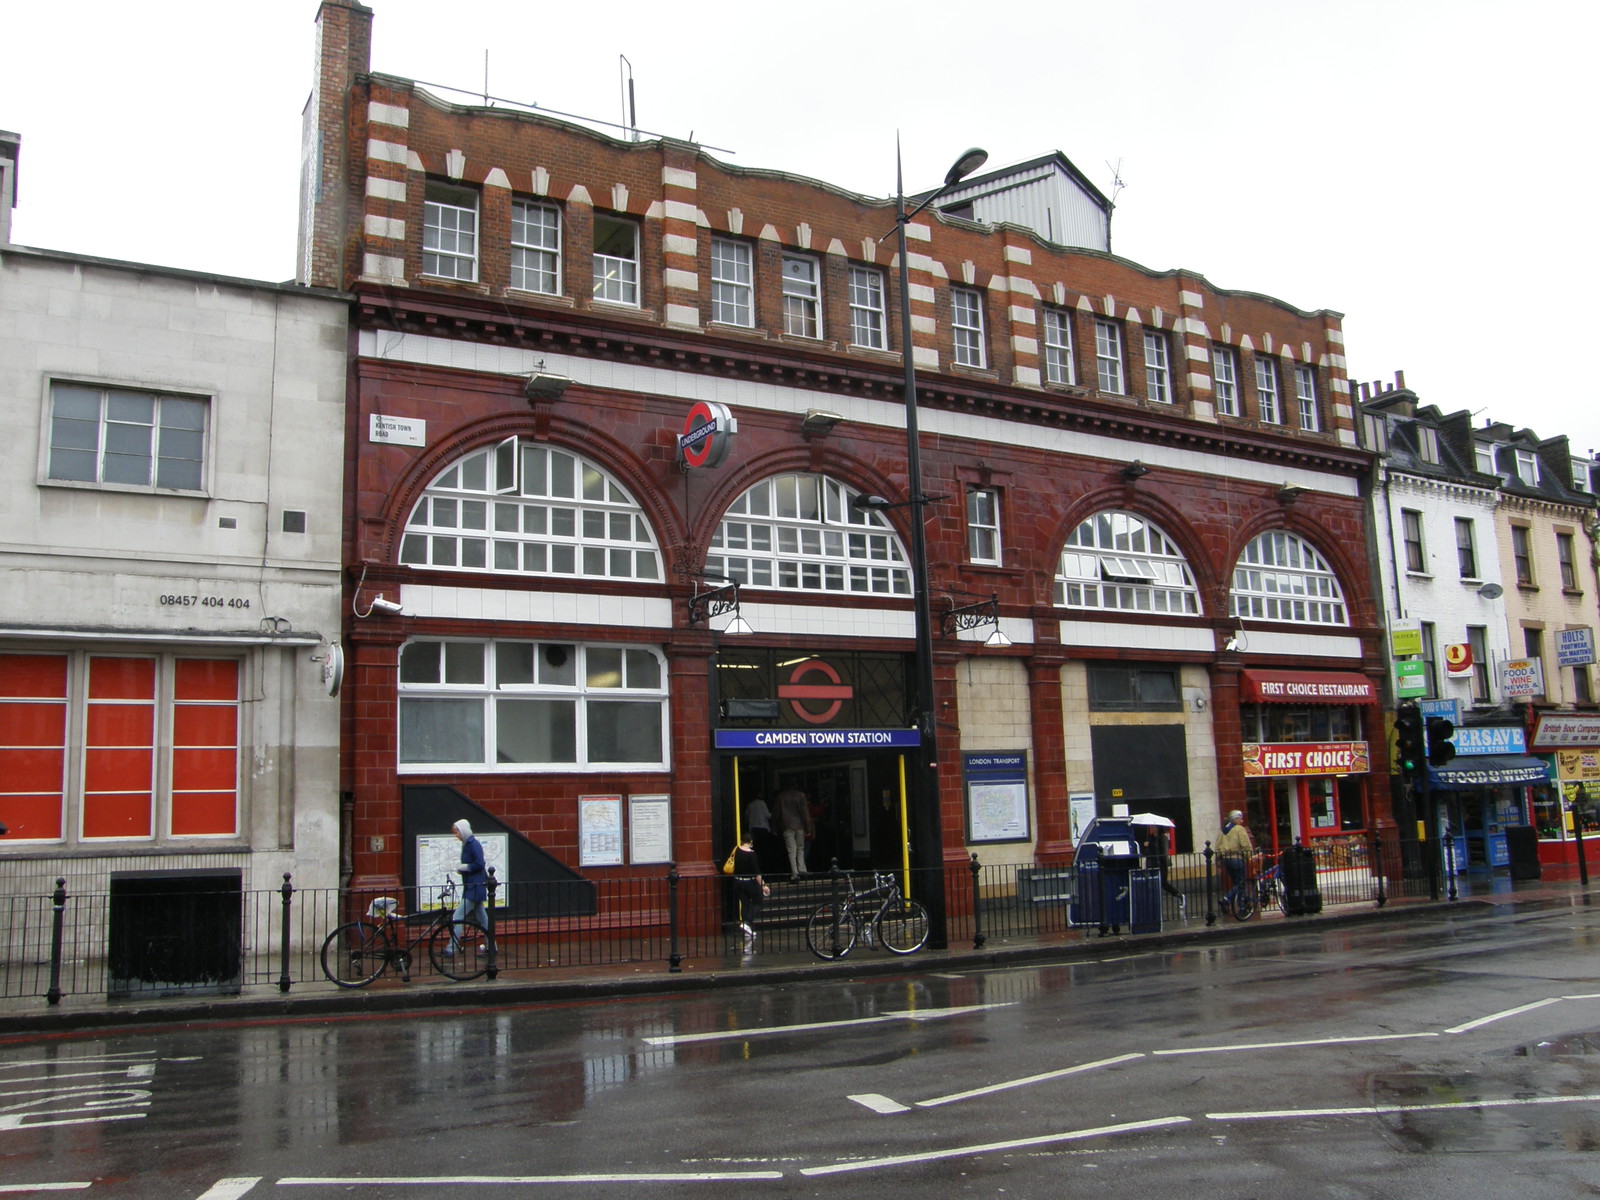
(1302, 896)
(1522, 846)
(1113, 890)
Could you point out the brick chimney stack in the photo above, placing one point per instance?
(327, 210)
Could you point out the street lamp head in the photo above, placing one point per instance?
(965, 165)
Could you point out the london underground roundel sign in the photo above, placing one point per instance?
(707, 435)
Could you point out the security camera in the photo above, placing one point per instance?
(382, 604)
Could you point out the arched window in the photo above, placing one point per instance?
(800, 532)
(1119, 560)
(524, 508)
(1280, 577)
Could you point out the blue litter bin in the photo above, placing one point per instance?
(1113, 889)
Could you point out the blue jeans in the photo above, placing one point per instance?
(474, 907)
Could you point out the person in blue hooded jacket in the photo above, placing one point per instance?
(474, 876)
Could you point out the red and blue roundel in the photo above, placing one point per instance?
(707, 435)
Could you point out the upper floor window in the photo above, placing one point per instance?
(802, 297)
(1478, 643)
(1427, 443)
(1375, 432)
(1411, 534)
(803, 532)
(1157, 378)
(450, 231)
(120, 436)
(966, 320)
(1108, 356)
(1225, 380)
(1281, 577)
(1058, 364)
(867, 308)
(616, 260)
(1267, 391)
(536, 247)
(1466, 548)
(732, 283)
(1120, 560)
(1528, 467)
(528, 706)
(525, 508)
(1305, 392)
(1522, 555)
(1568, 564)
(983, 525)
(1584, 475)
(97, 746)
(1483, 456)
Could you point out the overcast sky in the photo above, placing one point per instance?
(1425, 167)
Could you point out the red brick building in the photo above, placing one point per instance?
(1156, 479)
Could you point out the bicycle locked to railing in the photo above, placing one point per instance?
(879, 914)
(357, 952)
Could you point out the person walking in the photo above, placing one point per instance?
(1153, 844)
(758, 821)
(794, 819)
(749, 887)
(474, 879)
(1235, 848)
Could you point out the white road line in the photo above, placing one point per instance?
(1025, 1081)
(878, 1104)
(142, 1070)
(1375, 1037)
(516, 1180)
(230, 1189)
(722, 1035)
(1585, 996)
(147, 1055)
(1510, 1012)
(871, 1164)
(1373, 1110)
(42, 1187)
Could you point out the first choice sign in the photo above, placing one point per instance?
(707, 435)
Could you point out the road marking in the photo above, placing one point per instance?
(722, 1035)
(1026, 1080)
(230, 1189)
(1374, 1110)
(514, 1180)
(42, 1187)
(1510, 1012)
(1375, 1037)
(871, 1164)
(878, 1104)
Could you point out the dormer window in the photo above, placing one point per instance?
(1528, 467)
(1376, 430)
(1484, 457)
(1427, 443)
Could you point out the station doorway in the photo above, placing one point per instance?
(855, 803)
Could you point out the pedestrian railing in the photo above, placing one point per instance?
(185, 942)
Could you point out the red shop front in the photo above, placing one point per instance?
(1307, 758)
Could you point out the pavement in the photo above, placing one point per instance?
(28, 1018)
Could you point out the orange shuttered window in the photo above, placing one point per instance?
(33, 740)
(119, 748)
(205, 756)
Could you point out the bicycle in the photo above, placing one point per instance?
(1255, 892)
(899, 925)
(357, 952)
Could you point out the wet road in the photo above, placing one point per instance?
(1451, 1058)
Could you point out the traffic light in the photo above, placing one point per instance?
(1409, 732)
(1440, 748)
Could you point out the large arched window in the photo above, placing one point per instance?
(1281, 577)
(527, 509)
(800, 532)
(1119, 560)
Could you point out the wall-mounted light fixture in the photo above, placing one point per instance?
(1290, 492)
(955, 620)
(540, 384)
(1134, 470)
(819, 422)
(718, 601)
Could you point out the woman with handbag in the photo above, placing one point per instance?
(749, 887)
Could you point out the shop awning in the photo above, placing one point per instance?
(1306, 687)
(1490, 770)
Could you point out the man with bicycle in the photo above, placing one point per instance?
(474, 878)
(1235, 848)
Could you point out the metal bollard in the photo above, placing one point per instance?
(288, 891)
(1377, 865)
(977, 907)
(493, 970)
(53, 996)
(1211, 896)
(674, 958)
(833, 930)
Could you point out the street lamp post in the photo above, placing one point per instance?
(927, 841)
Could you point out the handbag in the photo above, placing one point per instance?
(727, 867)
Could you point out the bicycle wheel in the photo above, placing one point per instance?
(830, 932)
(903, 928)
(1245, 901)
(355, 954)
(459, 949)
